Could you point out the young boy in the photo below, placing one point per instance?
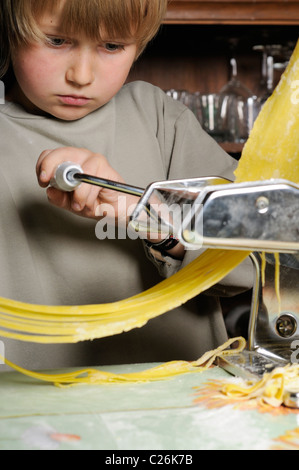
(65, 64)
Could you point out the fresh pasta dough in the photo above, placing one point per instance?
(63, 324)
(272, 150)
(160, 372)
(271, 389)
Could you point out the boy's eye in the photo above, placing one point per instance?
(111, 47)
(56, 42)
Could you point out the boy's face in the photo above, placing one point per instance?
(69, 77)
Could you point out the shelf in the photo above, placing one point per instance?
(264, 12)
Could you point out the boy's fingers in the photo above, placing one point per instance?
(85, 197)
(49, 160)
(58, 198)
(40, 171)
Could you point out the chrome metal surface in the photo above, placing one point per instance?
(246, 216)
(249, 364)
(171, 201)
(213, 212)
(273, 336)
(274, 323)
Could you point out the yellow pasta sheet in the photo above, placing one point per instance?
(271, 389)
(272, 150)
(63, 324)
(161, 372)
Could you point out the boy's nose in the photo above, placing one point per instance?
(80, 70)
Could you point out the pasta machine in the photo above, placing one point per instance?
(259, 217)
(262, 218)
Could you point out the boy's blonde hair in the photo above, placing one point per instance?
(118, 19)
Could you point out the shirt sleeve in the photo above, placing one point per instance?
(195, 153)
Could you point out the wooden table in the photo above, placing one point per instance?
(180, 414)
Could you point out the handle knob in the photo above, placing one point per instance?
(64, 177)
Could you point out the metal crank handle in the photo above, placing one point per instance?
(69, 176)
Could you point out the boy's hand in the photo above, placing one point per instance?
(86, 200)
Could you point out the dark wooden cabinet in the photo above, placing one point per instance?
(193, 49)
(235, 12)
(198, 38)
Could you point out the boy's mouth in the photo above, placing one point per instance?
(73, 100)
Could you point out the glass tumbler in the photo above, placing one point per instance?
(236, 104)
